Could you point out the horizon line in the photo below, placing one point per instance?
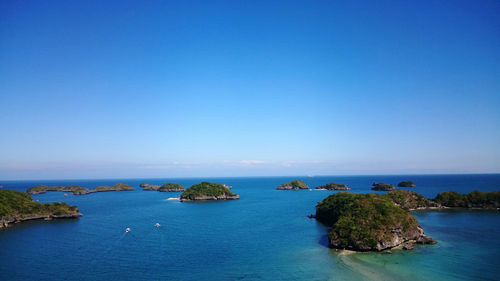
(277, 176)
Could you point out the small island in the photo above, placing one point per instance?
(78, 190)
(368, 222)
(168, 187)
(115, 187)
(293, 185)
(406, 184)
(146, 186)
(17, 206)
(333, 186)
(380, 186)
(207, 191)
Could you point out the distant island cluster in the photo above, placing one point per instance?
(358, 222)
(378, 186)
(17, 206)
(299, 184)
(374, 222)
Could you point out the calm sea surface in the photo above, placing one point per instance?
(263, 236)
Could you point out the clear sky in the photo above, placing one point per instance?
(106, 89)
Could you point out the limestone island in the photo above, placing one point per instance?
(208, 191)
(333, 186)
(168, 187)
(17, 206)
(368, 222)
(411, 200)
(374, 222)
(380, 186)
(78, 190)
(293, 185)
(406, 184)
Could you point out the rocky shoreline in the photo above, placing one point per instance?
(208, 198)
(17, 206)
(7, 221)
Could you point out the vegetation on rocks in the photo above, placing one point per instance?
(365, 222)
(208, 191)
(293, 185)
(406, 184)
(475, 199)
(410, 200)
(75, 189)
(380, 186)
(78, 190)
(115, 187)
(333, 186)
(171, 187)
(16, 206)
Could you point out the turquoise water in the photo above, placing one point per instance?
(263, 236)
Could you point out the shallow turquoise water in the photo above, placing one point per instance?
(263, 236)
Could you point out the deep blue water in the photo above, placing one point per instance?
(263, 236)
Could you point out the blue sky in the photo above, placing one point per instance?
(106, 89)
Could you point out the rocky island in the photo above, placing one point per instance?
(380, 186)
(17, 206)
(473, 200)
(368, 222)
(78, 190)
(168, 187)
(406, 184)
(373, 222)
(208, 191)
(410, 200)
(333, 186)
(293, 185)
(146, 186)
(75, 189)
(115, 187)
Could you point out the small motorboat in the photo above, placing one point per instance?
(157, 225)
(128, 229)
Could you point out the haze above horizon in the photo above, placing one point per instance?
(113, 89)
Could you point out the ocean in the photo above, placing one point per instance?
(266, 235)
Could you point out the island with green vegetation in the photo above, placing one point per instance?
(333, 186)
(17, 206)
(78, 190)
(146, 186)
(293, 185)
(474, 200)
(75, 189)
(115, 187)
(380, 186)
(410, 200)
(207, 191)
(374, 222)
(171, 187)
(168, 187)
(368, 222)
(406, 184)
